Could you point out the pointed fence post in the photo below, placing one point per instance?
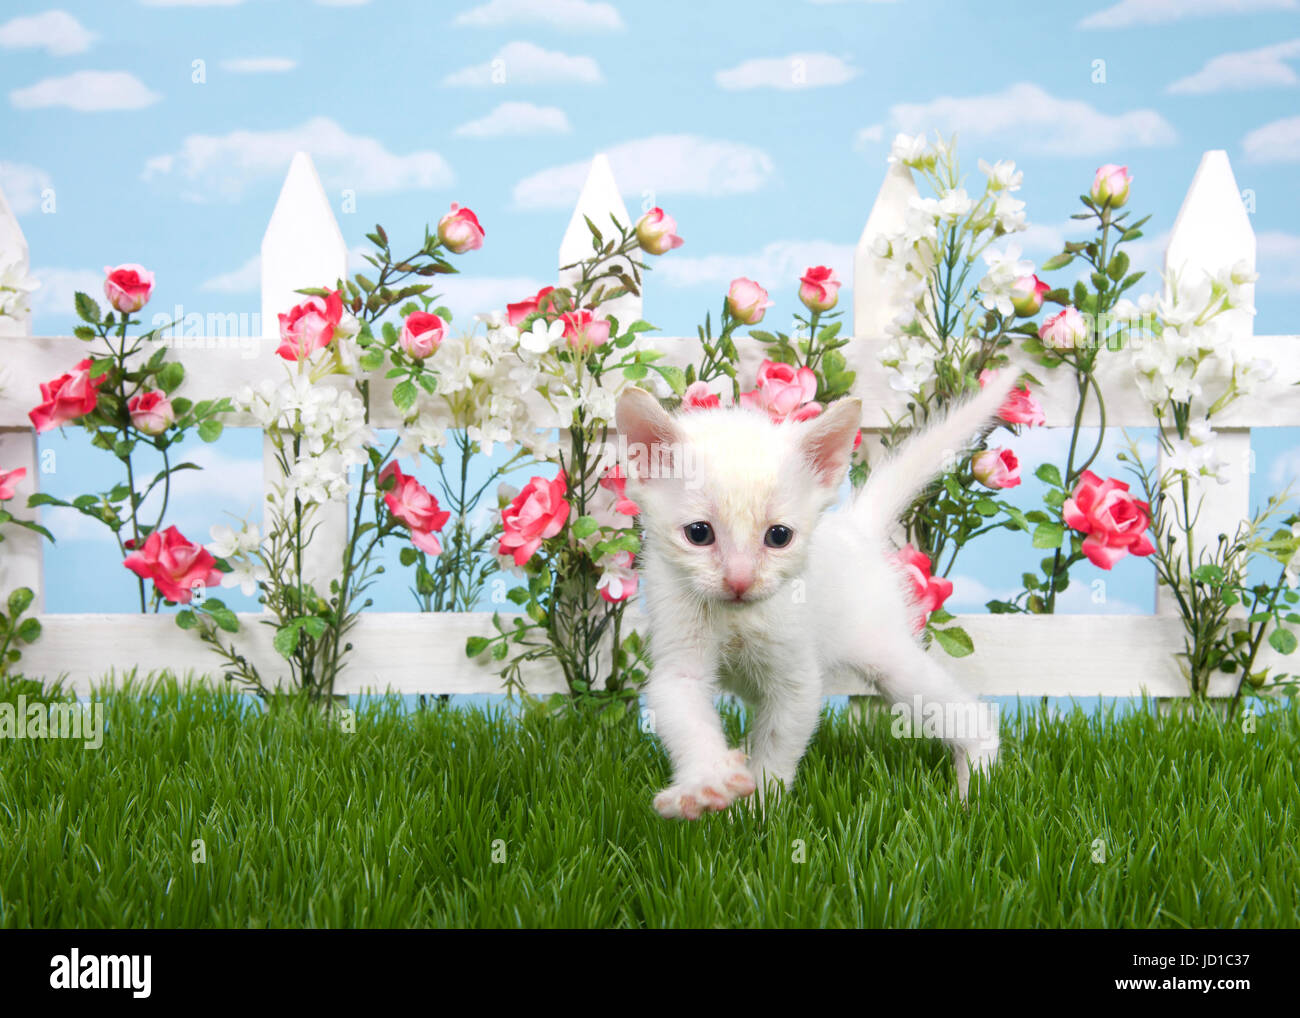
(599, 200)
(1212, 233)
(302, 247)
(21, 562)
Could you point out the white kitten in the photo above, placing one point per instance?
(752, 588)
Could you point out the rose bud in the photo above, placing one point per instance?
(819, 289)
(1027, 295)
(1110, 185)
(1065, 330)
(128, 287)
(656, 232)
(996, 468)
(459, 230)
(421, 334)
(747, 301)
(151, 412)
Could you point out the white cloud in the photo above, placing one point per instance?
(523, 63)
(245, 279)
(664, 164)
(1275, 142)
(58, 287)
(1254, 68)
(798, 70)
(467, 296)
(517, 118)
(191, 3)
(1285, 470)
(869, 136)
(1278, 262)
(577, 15)
(1128, 13)
(223, 166)
(1039, 120)
(22, 185)
(777, 264)
(56, 32)
(258, 65)
(86, 92)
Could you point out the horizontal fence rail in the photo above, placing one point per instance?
(1056, 655)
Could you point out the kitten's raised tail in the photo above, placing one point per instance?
(896, 481)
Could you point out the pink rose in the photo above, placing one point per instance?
(516, 313)
(66, 398)
(151, 412)
(930, 591)
(9, 478)
(783, 392)
(535, 514)
(409, 501)
(1027, 295)
(616, 481)
(819, 289)
(1110, 185)
(619, 580)
(421, 334)
(1065, 330)
(656, 232)
(996, 468)
(459, 230)
(583, 331)
(128, 287)
(1020, 407)
(1115, 522)
(309, 326)
(747, 301)
(698, 397)
(174, 564)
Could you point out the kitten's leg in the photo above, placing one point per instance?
(905, 671)
(707, 774)
(784, 722)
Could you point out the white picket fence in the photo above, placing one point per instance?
(1062, 655)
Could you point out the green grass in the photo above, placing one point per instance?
(396, 825)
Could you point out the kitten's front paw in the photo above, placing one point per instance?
(710, 790)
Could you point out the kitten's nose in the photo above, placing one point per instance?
(738, 585)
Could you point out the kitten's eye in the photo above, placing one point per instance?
(778, 536)
(699, 533)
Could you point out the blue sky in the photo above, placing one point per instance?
(163, 131)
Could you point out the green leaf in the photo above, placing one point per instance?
(1207, 574)
(186, 619)
(585, 526)
(1048, 474)
(171, 376)
(286, 639)
(20, 600)
(404, 394)
(475, 645)
(675, 377)
(1059, 261)
(1048, 535)
(210, 430)
(30, 631)
(1118, 266)
(955, 640)
(986, 507)
(408, 556)
(87, 309)
(1282, 640)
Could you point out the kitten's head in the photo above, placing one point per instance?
(729, 499)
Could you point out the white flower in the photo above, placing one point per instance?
(227, 542)
(1003, 175)
(910, 151)
(954, 204)
(542, 337)
(1010, 214)
(1005, 267)
(16, 287)
(246, 574)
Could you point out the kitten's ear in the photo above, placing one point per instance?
(828, 439)
(649, 433)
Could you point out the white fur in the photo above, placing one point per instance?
(831, 599)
